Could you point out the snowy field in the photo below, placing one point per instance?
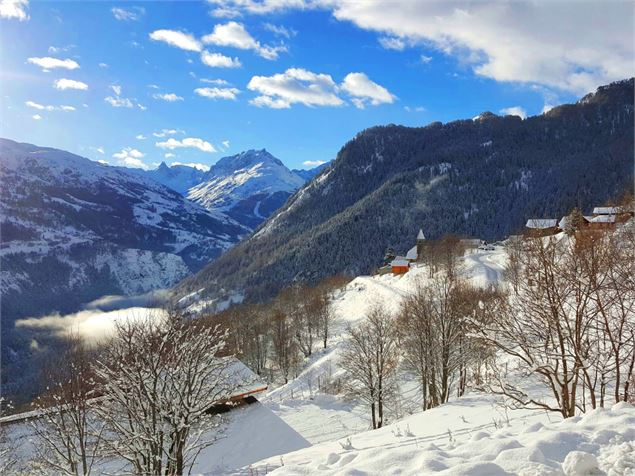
(476, 434)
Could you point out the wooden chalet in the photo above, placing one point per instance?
(538, 227)
(400, 265)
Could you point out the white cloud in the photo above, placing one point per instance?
(392, 43)
(188, 142)
(140, 137)
(425, 59)
(128, 14)
(194, 165)
(130, 157)
(178, 39)
(60, 49)
(547, 107)
(63, 84)
(313, 163)
(235, 35)
(119, 101)
(42, 107)
(528, 42)
(116, 89)
(365, 91)
(47, 62)
(295, 85)
(166, 132)
(168, 97)
(217, 60)
(217, 82)
(100, 150)
(414, 109)
(103, 65)
(37, 117)
(514, 111)
(14, 9)
(280, 30)
(218, 93)
(168, 155)
(233, 8)
(225, 144)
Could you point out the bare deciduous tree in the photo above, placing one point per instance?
(371, 359)
(68, 434)
(160, 377)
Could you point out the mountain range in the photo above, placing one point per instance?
(74, 230)
(481, 177)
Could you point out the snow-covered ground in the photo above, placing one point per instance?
(476, 434)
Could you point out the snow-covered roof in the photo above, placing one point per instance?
(563, 223)
(400, 261)
(421, 236)
(541, 223)
(606, 210)
(604, 219)
(412, 253)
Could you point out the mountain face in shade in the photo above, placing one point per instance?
(74, 230)
(481, 178)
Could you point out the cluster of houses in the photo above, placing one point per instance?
(602, 218)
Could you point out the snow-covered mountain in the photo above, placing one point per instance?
(248, 187)
(177, 177)
(74, 230)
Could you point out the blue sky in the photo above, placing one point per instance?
(137, 83)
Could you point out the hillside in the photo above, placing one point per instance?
(74, 230)
(482, 177)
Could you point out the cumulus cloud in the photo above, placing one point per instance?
(47, 63)
(188, 142)
(392, 43)
(414, 109)
(425, 59)
(100, 150)
(14, 9)
(218, 93)
(313, 163)
(60, 49)
(119, 101)
(528, 42)
(140, 137)
(194, 165)
(93, 325)
(235, 35)
(37, 117)
(225, 144)
(128, 14)
(365, 91)
(178, 39)
(514, 111)
(63, 84)
(130, 157)
(168, 97)
(217, 60)
(295, 85)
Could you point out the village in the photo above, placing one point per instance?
(602, 218)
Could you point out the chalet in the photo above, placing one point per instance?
(412, 255)
(621, 214)
(542, 227)
(603, 222)
(400, 265)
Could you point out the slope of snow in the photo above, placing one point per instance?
(460, 438)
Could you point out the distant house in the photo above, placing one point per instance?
(471, 243)
(400, 265)
(603, 222)
(619, 214)
(412, 255)
(542, 226)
